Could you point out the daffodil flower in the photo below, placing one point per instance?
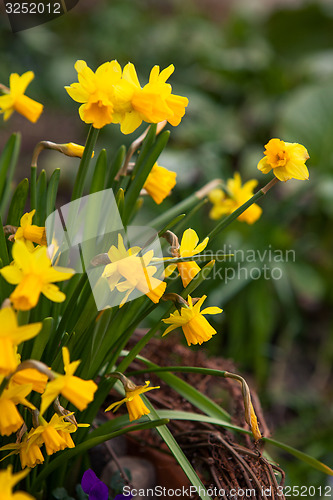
(54, 434)
(10, 418)
(153, 103)
(7, 482)
(136, 272)
(159, 183)
(135, 406)
(77, 391)
(28, 232)
(11, 335)
(33, 274)
(188, 246)
(28, 449)
(286, 159)
(238, 194)
(96, 92)
(192, 321)
(16, 100)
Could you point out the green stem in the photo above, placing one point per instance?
(182, 369)
(33, 189)
(3, 384)
(228, 220)
(84, 164)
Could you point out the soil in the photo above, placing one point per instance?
(231, 463)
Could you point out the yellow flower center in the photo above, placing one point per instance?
(276, 152)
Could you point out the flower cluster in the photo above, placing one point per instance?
(21, 381)
(30, 390)
(234, 196)
(113, 95)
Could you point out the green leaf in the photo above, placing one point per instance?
(3, 246)
(115, 166)
(177, 452)
(120, 200)
(42, 339)
(171, 224)
(84, 163)
(313, 462)
(18, 202)
(8, 162)
(141, 174)
(190, 393)
(175, 211)
(40, 214)
(98, 180)
(52, 191)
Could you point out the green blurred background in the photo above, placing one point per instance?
(252, 70)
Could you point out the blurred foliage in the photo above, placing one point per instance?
(251, 72)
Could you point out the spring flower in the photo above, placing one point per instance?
(287, 159)
(188, 247)
(52, 434)
(195, 327)
(10, 419)
(77, 391)
(237, 196)
(34, 274)
(11, 335)
(29, 232)
(8, 481)
(15, 100)
(31, 376)
(95, 91)
(135, 270)
(159, 183)
(93, 486)
(135, 406)
(28, 449)
(153, 103)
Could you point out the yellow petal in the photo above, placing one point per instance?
(12, 274)
(189, 241)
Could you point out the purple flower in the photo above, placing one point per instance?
(95, 488)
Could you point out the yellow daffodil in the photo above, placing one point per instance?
(153, 103)
(8, 481)
(195, 326)
(29, 232)
(11, 335)
(159, 183)
(135, 270)
(34, 274)
(96, 92)
(287, 159)
(77, 391)
(31, 376)
(15, 100)
(10, 419)
(188, 247)
(156, 102)
(135, 406)
(28, 449)
(237, 196)
(52, 434)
